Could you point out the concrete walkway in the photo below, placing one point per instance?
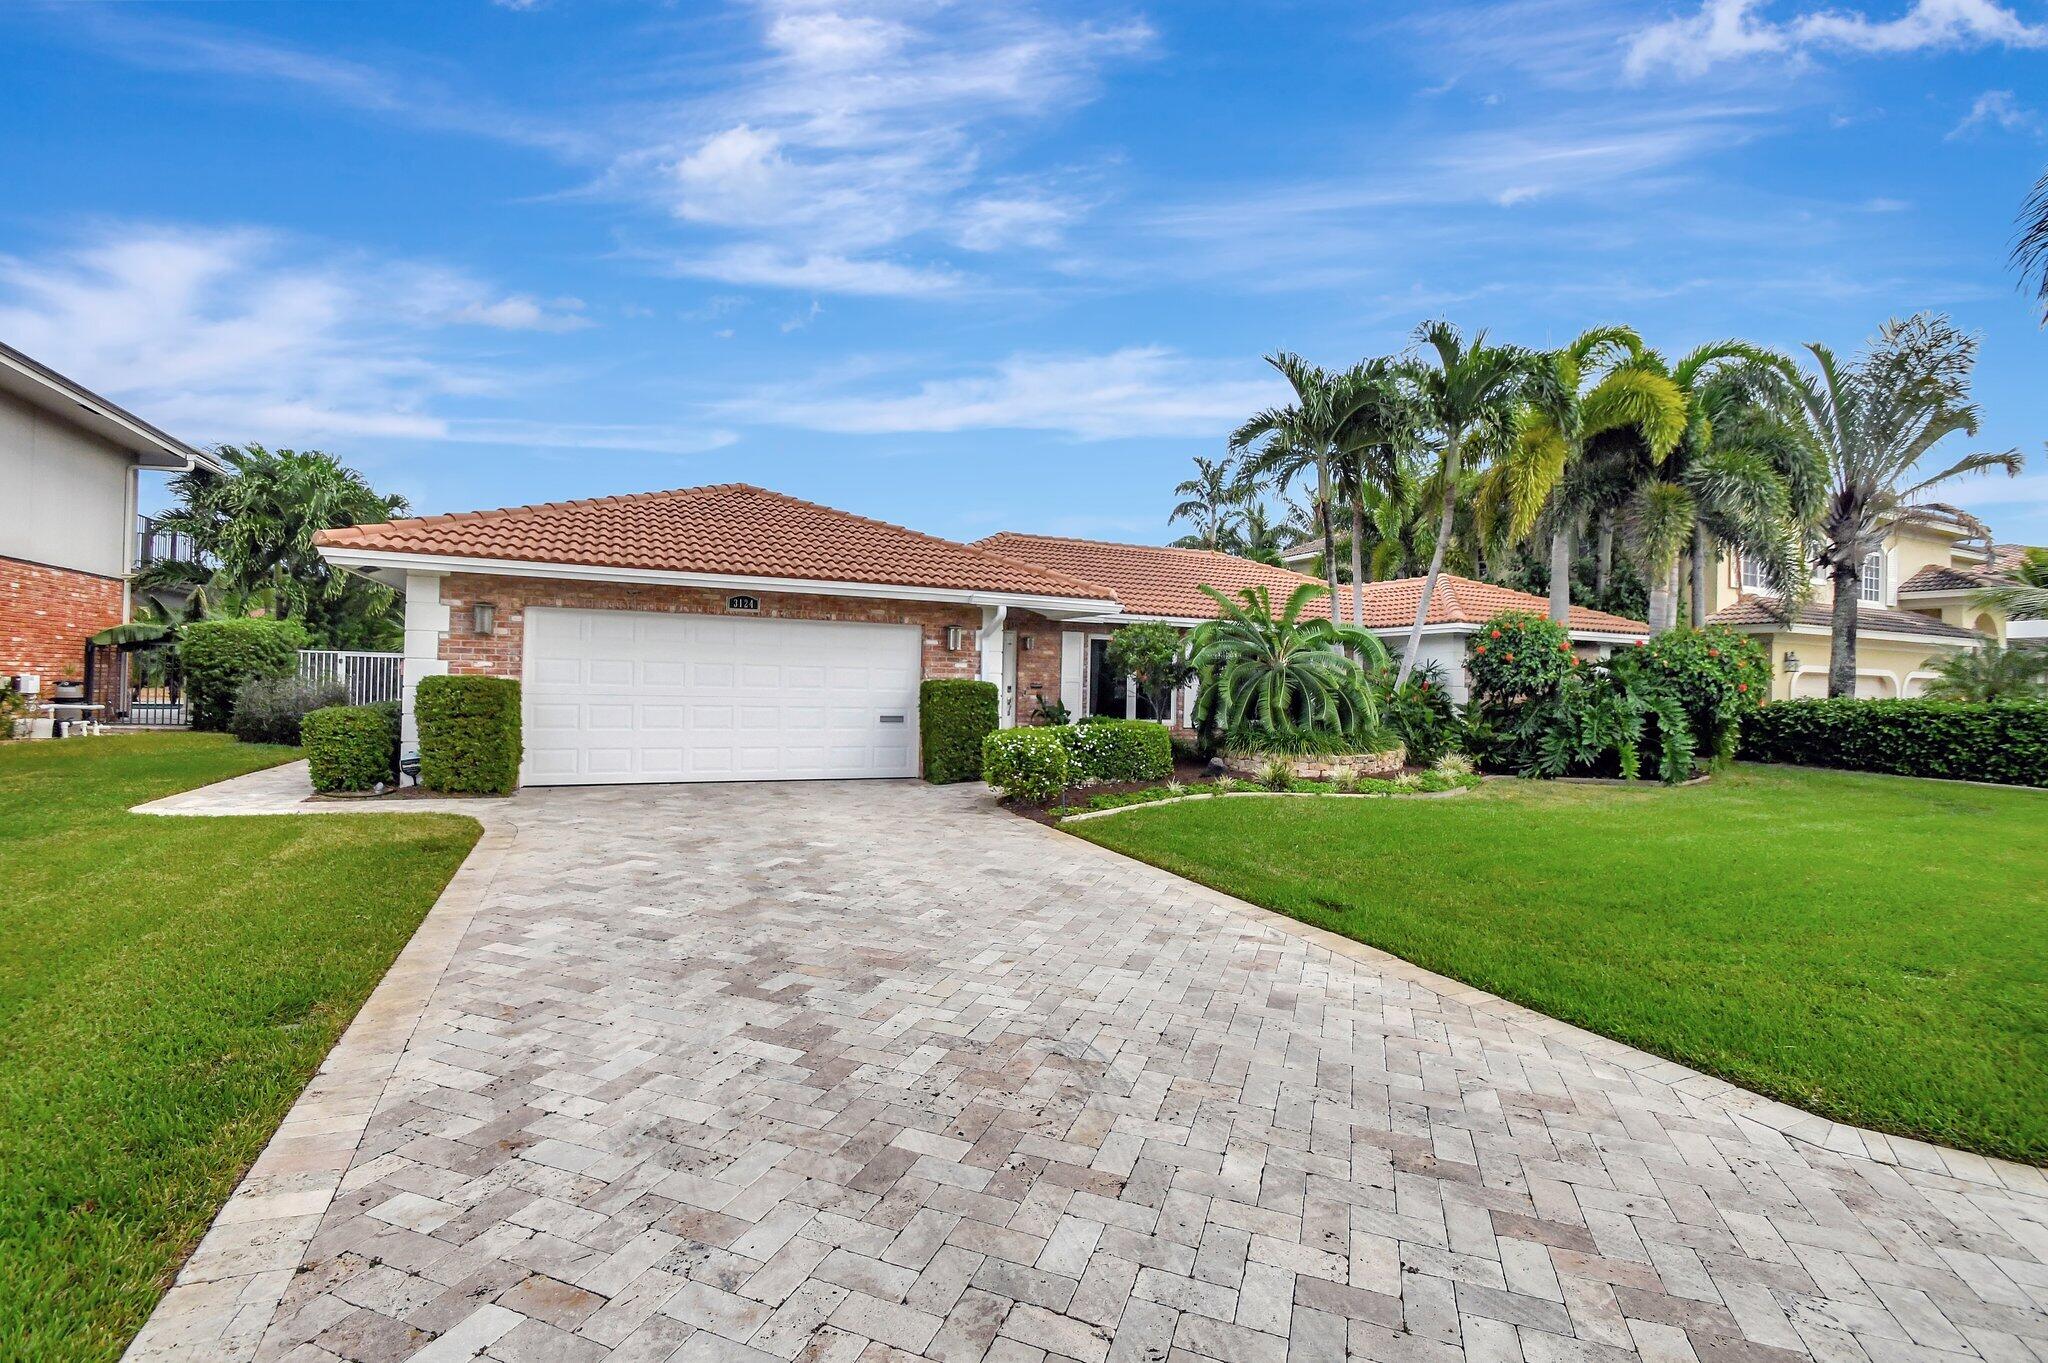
(874, 1070)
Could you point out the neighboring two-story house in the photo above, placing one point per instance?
(1916, 606)
(69, 461)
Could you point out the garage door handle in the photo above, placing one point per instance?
(892, 719)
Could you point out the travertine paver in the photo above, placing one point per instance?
(838, 1071)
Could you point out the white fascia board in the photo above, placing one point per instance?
(374, 560)
(1925, 594)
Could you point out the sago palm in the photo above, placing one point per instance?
(1280, 673)
(1874, 421)
(1466, 394)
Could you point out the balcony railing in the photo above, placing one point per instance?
(156, 545)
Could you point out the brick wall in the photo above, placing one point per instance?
(47, 614)
(1038, 667)
(499, 654)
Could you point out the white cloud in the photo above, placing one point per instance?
(1721, 31)
(857, 147)
(2002, 109)
(234, 334)
(1135, 391)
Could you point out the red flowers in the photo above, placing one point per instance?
(1511, 657)
(1575, 660)
(1744, 686)
(1713, 653)
(1496, 634)
(1564, 646)
(1482, 647)
(1642, 643)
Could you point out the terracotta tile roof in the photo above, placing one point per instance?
(1763, 610)
(1151, 580)
(1940, 578)
(727, 528)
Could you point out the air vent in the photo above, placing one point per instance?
(748, 604)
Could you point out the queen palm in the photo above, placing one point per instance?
(1281, 674)
(1468, 396)
(1603, 381)
(1211, 502)
(1874, 421)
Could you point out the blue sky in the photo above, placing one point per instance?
(970, 267)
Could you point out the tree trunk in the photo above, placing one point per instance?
(1561, 574)
(1842, 647)
(1436, 562)
(1664, 599)
(1606, 555)
(1329, 536)
(1702, 560)
(1357, 564)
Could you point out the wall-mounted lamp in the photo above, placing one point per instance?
(1791, 663)
(1024, 642)
(483, 617)
(953, 637)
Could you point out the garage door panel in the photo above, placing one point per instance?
(622, 696)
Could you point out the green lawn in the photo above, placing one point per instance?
(1867, 947)
(167, 986)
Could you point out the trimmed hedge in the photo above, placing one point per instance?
(1027, 764)
(352, 747)
(469, 734)
(2004, 743)
(272, 709)
(954, 715)
(1119, 750)
(218, 656)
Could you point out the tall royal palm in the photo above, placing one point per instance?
(1211, 502)
(1603, 381)
(1466, 394)
(1283, 445)
(1875, 419)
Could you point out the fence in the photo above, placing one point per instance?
(369, 676)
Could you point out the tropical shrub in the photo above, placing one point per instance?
(1719, 676)
(271, 709)
(469, 734)
(1993, 673)
(1153, 655)
(219, 655)
(352, 747)
(1518, 654)
(1419, 713)
(1054, 712)
(2006, 743)
(954, 715)
(1119, 750)
(1264, 673)
(1027, 764)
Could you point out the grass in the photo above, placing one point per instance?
(1866, 947)
(167, 986)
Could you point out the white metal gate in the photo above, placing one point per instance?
(369, 676)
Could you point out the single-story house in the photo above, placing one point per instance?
(69, 461)
(732, 633)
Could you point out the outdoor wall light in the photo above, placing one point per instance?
(953, 634)
(1791, 663)
(1024, 642)
(483, 617)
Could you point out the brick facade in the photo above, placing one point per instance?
(1038, 666)
(47, 614)
(500, 654)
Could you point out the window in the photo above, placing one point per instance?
(1753, 578)
(1870, 589)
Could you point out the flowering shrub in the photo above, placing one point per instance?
(1119, 750)
(1027, 764)
(1518, 654)
(1719, 676)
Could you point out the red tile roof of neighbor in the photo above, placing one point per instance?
(726, 528)
(1764, 610)
(1150, 580)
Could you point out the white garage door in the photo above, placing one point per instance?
(627, 696)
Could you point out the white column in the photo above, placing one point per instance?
(426, 624)
(990, 640)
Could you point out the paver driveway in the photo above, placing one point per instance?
(830, 1071)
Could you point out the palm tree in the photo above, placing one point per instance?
(1258, 536)
(1604, 381)
(1471, 394)
(2030, 253)
(1298, 441)
(1281, 674)
(1372, 464)
(1211, 501)
(252, 530)
(1874, 421)
(1988, 675)
(2025, 597)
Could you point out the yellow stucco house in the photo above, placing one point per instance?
(1915, 605)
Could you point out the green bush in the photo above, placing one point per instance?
(219, 655)
(1027, 764)
(271, 709)
(1119, 750)
(954, 715)
(1518, 654)
(352, 747)
(1420, 715)
(469, 734)
(1719, 676)
(2007, 744)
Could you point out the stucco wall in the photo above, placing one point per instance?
(1885, 669)
(65, 496)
